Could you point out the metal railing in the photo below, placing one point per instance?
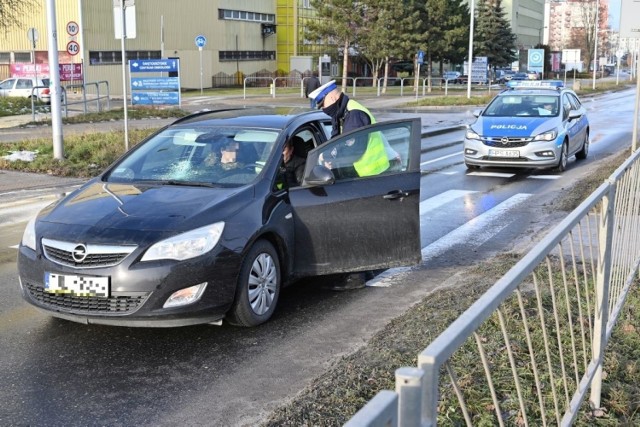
(529, 350)
(90, 96)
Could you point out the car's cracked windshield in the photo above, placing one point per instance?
(198, 156)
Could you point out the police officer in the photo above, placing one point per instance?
(348, 115)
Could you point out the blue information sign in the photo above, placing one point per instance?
(155, 98)
(153, 65)
(157, 83)
(201, 40)
(420, 57)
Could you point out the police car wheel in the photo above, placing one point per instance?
(258, 286)
(564, 157)
(584, 151)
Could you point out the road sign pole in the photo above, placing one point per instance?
(200, 49)
(124, 76)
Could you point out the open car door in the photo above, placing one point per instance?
(350, 216)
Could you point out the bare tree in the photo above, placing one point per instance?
(11, 12)
(583, 36)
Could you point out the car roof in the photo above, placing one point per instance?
(262, 117)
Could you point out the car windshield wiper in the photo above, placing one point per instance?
(188, 183)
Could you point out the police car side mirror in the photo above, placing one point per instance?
(476, 113)
(320, 175)
(575, 114)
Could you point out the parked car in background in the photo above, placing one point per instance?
(450, 76)
(520, 76)
(504, 76)
(533, 75)
(531, 124)
(200, 222)
(27, 87)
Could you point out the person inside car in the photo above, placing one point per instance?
(293, 164)
(546, 109)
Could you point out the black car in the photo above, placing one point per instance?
(171, 234)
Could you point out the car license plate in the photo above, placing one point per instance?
(82, 286)
(504, 153)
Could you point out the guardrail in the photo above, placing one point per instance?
(96, 97)
(554, 312)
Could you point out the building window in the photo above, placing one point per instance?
(240, 15)
(112, 57)
(306, 4)
(247, 55)
(23, 57)
(5, 57)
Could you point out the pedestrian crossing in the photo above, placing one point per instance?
(478, 230)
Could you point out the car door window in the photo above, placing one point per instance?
(566, 107)
(365, 152)
(7, 84)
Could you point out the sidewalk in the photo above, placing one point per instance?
(13, 184)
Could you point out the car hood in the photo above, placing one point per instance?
(145, 207)
(512, 126)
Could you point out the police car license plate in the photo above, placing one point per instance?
(82, 286)
(504, 153)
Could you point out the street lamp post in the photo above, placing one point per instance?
(595, 45)
(470, 49)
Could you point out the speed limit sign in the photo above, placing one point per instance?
(72, 28)
(73, 48)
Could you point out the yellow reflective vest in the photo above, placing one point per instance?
(374, 161)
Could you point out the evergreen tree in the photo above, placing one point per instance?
(493, 37)
(339, 23)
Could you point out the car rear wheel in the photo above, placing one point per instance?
(564, 158)
(584, 151)
(258, 286)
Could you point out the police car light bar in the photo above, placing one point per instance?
(551, 84)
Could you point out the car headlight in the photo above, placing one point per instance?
(471, 134)
(186, 245)
(547, 136)
(29, 235)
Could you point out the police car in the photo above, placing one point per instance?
(531, 124)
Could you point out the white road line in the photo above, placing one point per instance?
(494, 174)
(545, 176)
(441, 199)
(21, 213)
(440, 158)
(478, 230)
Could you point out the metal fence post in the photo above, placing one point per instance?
(601, 315)
(430, 381)
(409, 389)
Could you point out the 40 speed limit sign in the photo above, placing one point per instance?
(73, 48)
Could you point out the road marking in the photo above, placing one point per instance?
(494, 174)
(545, 176)
(440, 158)
(21, 213)
(478, 230)
(442, 199)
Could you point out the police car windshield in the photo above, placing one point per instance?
(516, 105)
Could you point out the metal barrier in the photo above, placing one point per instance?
(554, 312)
(97, 98)
(34, 96)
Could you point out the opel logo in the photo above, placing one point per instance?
(79, 253)
(504, 140)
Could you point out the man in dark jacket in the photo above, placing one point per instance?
(293, 164)
(310, 84)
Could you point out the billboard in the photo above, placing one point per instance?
(629, 23)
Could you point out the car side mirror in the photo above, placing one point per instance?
(320, 175)
(476, 113)
(575, 114)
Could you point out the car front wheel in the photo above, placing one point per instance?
(584, 151)
(258, 286)
(564, 158)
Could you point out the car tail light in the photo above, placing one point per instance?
(46, 91)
